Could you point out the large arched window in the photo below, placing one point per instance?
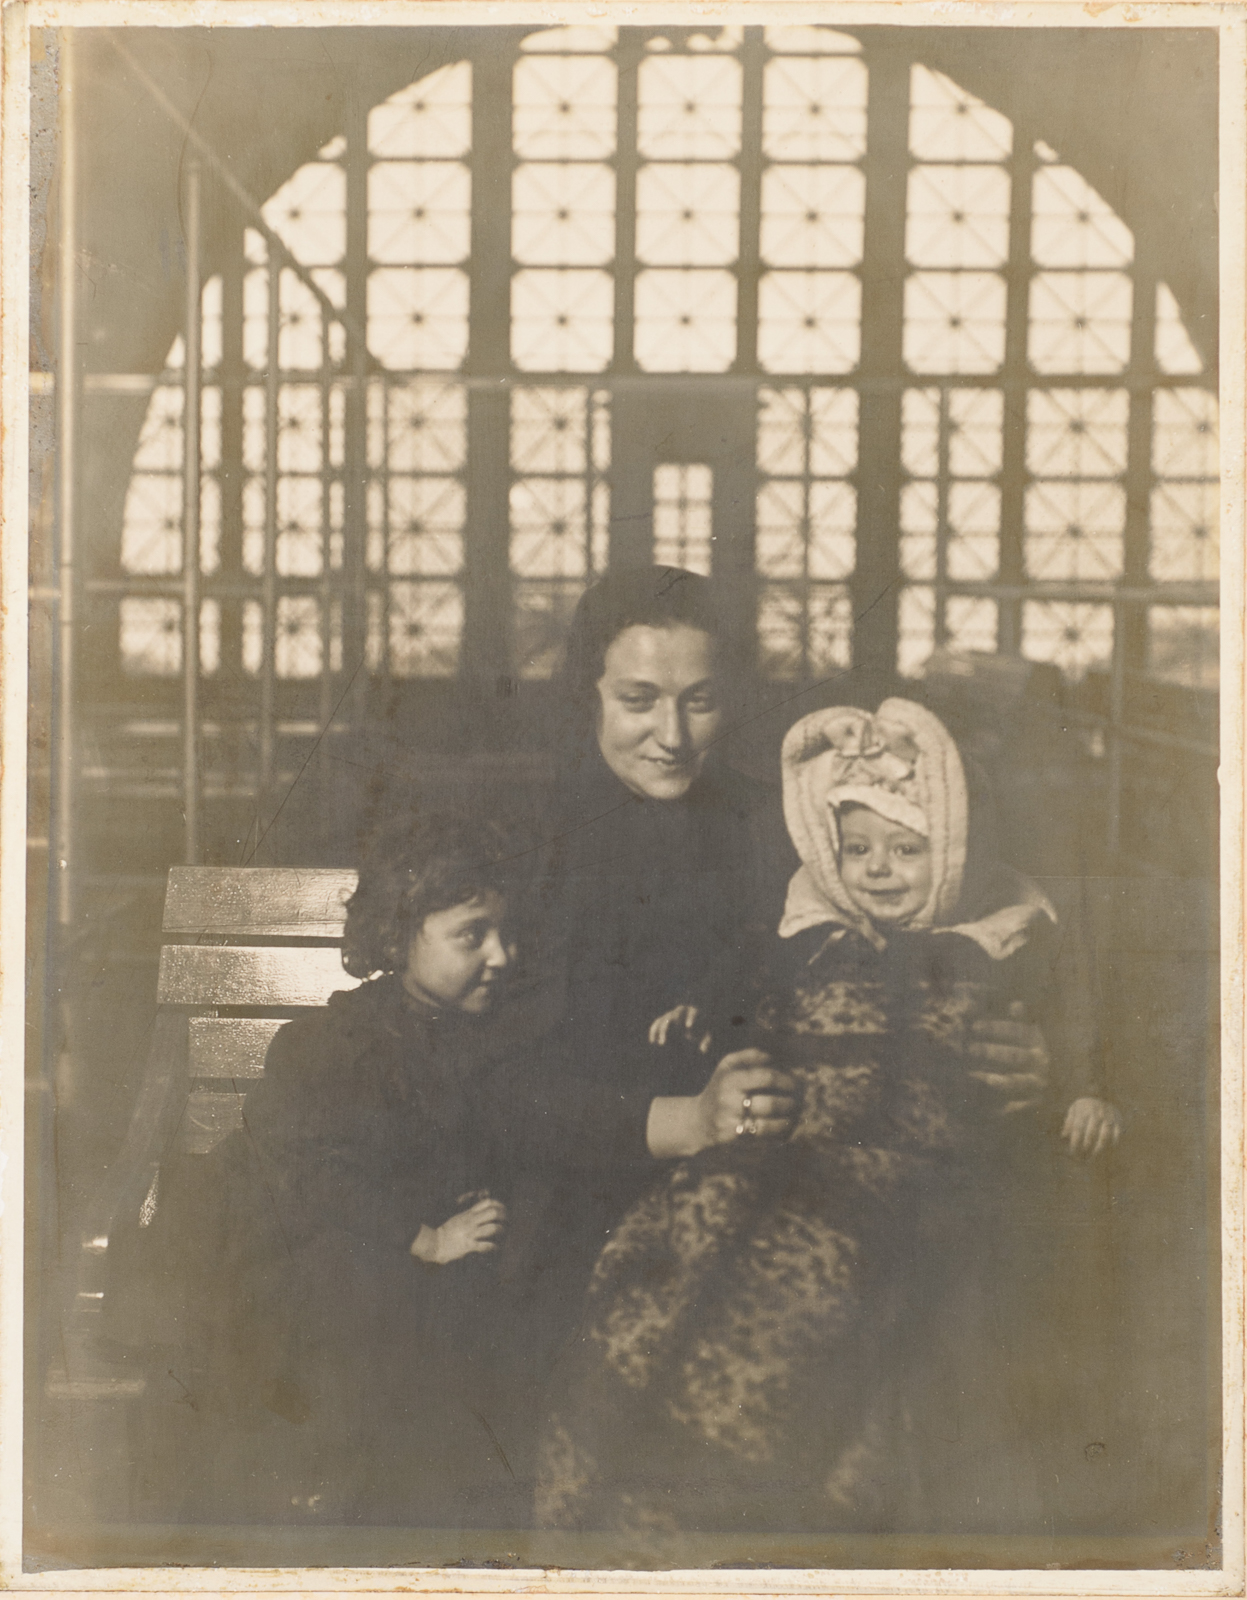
(765, 302)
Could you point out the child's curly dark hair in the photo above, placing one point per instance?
(419, 864)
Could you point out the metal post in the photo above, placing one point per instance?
(268, 591)
(1117, 717)
(68, 403)
(191, 778)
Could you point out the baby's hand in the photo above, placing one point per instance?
(682, 1019)
(1091, 1126)
(475, 1231)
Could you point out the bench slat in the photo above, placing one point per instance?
(231, 1047)
(215, 975)
(279, 902)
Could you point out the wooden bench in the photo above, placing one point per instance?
(243, 950)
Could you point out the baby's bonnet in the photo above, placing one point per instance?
(902, 763)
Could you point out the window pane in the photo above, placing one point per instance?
(431, 117)
(809, 321)
(1175, 351)
(425, 526)
(958, 217)
(803, 632)
(685, 321)
(308, 213)
(417, 425)
(1183, 644)
(1074, 530)
(563, 213)
(689, 107)
(688, 215)
(970, 624)
(562, 321)
(564, 108)
(151, 636)
(548, 528)
(915, 630)
(1080, 321)
(1184, 434)
(946, 123)
(812, 216)
(974, 526)
(683, 535)
(1185, 533)
(814, 109)
(1076, 433)
(1075, 637)
(425, 629)
(297, 643)
(419, 211)
(1072, 227)
(954, 321)
(418, 317)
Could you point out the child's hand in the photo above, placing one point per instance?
(681, 1018)
(475, 1231)
(1092, 1126)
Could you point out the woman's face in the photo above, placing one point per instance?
(659, 708)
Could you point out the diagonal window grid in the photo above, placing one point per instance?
(559, 513)
(806, 529)
(683, 527)
(1070, 382)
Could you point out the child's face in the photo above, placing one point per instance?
(885, 868)
(459, 957)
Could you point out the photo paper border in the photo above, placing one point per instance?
(19, 17)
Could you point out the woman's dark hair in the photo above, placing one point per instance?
(629, 597)
(415, 866)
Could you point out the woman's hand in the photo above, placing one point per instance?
(1092, 1126)
(475, 1231)
(1010, 1056)
(680, 1019)
(747, 1097)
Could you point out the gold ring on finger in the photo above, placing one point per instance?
(746, 1104)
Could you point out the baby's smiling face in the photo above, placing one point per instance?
(885, 868)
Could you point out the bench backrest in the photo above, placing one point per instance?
(244, 949)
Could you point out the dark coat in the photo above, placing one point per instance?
(336, 1377)
(644, 905)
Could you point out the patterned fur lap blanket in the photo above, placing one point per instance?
(742, 1356)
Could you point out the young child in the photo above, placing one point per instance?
(367, 1195)
(754, 1323)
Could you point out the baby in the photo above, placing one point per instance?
(865, 837)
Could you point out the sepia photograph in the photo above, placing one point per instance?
(629, 772)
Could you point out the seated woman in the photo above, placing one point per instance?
(352, 1367)
(663, 880)
(749, 1326)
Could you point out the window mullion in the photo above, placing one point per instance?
(1131, 620)
(486, 556)
(231, 462)
(1014, 381)
(877, 573)
(355, 419)
(626, 163)
(943, 471)
(748, 264)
